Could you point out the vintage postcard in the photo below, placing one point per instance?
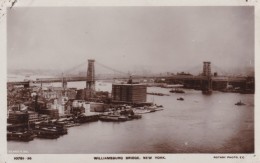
(129, 81)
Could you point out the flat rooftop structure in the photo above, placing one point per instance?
(129, 93)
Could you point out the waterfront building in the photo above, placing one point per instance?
(129, 93)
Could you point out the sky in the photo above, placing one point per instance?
(156, 39)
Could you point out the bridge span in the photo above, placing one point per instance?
(172, 77)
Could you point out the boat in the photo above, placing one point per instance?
(20, 136)
(240, 103)
(72, 124)
(46, 133)
(122, 118)
(135, 116)
(177, 91)
(113, 118)
(159, 109)
(58, 127)
(86, 118)
(180, 99)
(141, 111)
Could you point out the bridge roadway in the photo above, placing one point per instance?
(173, 77)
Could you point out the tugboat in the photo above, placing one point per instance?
(239, 103)
(180, 99)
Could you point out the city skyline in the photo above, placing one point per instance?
(158, 39)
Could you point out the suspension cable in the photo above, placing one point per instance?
(112, 69)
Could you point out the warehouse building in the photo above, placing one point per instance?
(129, 93)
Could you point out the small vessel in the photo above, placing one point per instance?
(180, 99)
(240, 103)
(177, 91)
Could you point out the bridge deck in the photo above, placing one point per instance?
(174, 77)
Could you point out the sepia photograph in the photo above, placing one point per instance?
(130, 80)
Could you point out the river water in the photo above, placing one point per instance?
(199, 124)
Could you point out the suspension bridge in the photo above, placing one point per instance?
(90, 77)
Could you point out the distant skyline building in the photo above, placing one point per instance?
(206, 69)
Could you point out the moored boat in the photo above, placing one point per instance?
(113, 118)
(46, 133)
(20, 136)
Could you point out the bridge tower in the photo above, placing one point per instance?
(206, 83)
(90, 83)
